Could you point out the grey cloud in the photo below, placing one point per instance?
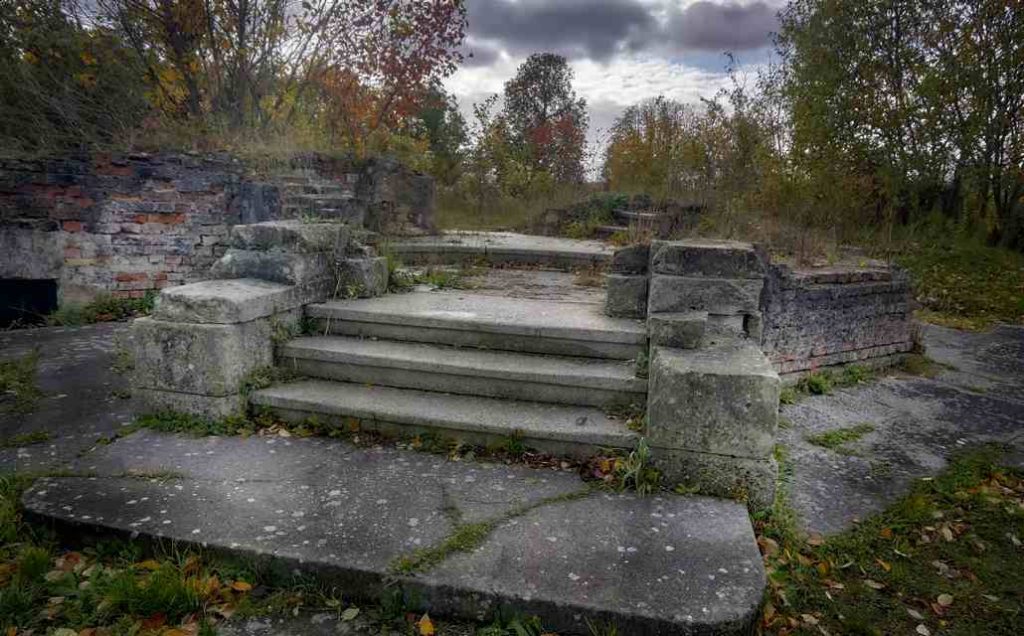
(478, 53)
(594, 29)
(707, 26)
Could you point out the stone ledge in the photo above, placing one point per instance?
(707, 258)
(308, 270)
(291, 236)
(713, 295)
(229, 301)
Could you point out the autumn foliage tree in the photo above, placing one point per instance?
(547, 122)
(61, 82)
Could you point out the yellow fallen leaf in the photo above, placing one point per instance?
(885, 533)
(148, 564)
(885, 566)
(426, 626)
(241, 586)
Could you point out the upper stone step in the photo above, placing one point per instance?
(566, 430)
(504, 248)
(486, 322)
(500, 374)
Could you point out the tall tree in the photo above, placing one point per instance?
(547, 121)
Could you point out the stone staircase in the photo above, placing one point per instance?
(473, 367)
(306, 194)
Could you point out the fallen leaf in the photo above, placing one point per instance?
(155, 621)
(148, 564)
(768, 546)
(815, 540)
(923, 631)
(63, 631)
(875, 585)
(947, 534)
(885, 533)
(809, 619)
(915, 614)
(885, 566)
(945, 600)
(350, 614)
(426, 626)
(241, 586)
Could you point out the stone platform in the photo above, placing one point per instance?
(558, 549)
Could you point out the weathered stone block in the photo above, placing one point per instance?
(291, 236)
(679, 330)
(752, 481)
(626, 296)
(723, 400)
(713, 295)
(212, 407)
(632, 259)
(307, 270)
(363, 277)
(710, 258)
(202, 359)
(753, 324)
(227, 301)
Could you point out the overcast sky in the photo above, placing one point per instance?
(622, 51)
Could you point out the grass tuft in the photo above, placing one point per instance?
(19, 385)
(837, 439)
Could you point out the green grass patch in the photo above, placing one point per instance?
(19, 385)
(104, 308)
(837, 439)
(965, 284)
(920, 365)
(466, 537)
(823, 382)
(946, 557)
(25, 439)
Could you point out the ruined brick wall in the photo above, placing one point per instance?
(820, 318)
(135, 223)
(120, 224)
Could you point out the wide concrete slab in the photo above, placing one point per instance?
(480, 312)
(578, 430)
(651, 566)
(502, 247)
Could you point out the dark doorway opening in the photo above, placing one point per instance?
(26, 302)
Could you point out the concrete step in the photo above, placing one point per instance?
(578, 431)
(498, 374)
(506, 248)
(486, 322)
(554, 548)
